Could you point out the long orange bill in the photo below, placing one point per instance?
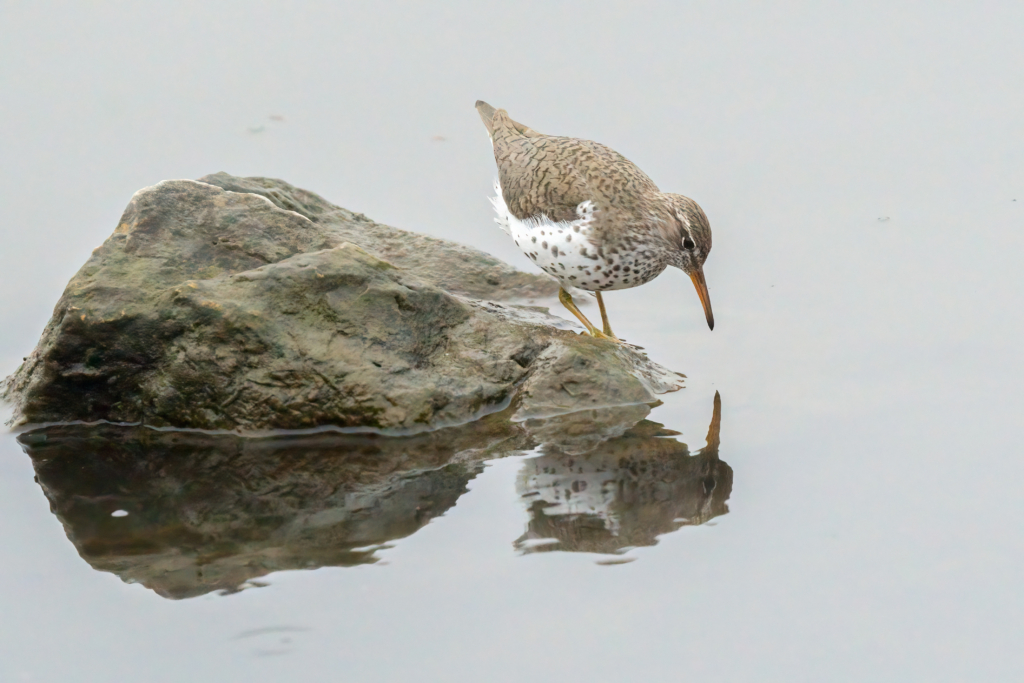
(702, 292)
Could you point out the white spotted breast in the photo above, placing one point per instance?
(565, 250)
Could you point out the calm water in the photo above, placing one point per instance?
(861, 518)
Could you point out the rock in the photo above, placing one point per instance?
(248, 304)
(185, 513)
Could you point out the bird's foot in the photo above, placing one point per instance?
(598, 334)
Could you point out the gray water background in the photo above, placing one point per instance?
(859, 163)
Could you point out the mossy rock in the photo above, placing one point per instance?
(247, 304)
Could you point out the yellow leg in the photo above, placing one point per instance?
(567, 301)
(604, 316)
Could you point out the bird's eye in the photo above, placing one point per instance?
(688, 243)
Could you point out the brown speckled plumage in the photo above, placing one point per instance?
(627, 230)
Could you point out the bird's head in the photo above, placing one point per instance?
(689, 238)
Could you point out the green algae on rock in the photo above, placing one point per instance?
(248, 304)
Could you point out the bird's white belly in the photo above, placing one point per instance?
(564, 250)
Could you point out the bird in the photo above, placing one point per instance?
(589, 217)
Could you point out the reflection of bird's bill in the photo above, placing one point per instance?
(702, 291)
(714, 430)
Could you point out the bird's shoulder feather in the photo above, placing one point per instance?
(552, 175)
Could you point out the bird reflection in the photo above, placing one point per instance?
(187, 513)
(625, 492)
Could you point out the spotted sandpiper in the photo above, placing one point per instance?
(589, 217)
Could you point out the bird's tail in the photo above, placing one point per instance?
(487, 113)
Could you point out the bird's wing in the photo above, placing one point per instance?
(550, 175)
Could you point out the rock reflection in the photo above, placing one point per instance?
(188, 513)
(208, 513)
(624, 492)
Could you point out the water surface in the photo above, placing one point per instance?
(860, 519)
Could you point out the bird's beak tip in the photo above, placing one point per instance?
(702, 291)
